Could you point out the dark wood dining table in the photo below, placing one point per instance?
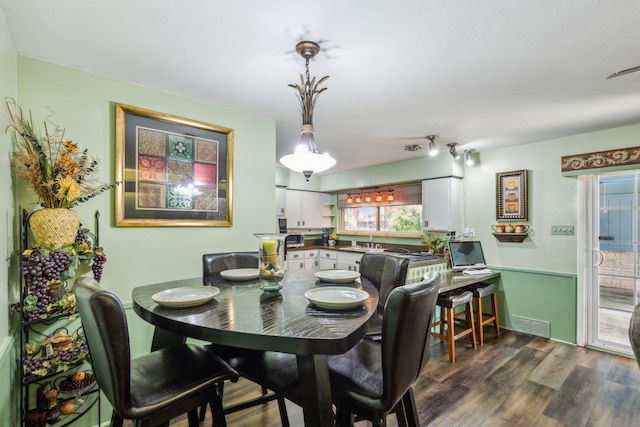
(243, 315)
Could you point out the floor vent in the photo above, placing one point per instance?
(531, 326)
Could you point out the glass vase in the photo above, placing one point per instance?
(271, 260)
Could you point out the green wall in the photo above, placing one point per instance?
(8, 89)
(84, 104)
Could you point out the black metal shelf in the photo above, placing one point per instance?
(28, 327)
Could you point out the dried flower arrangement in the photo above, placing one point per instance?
(54, 168)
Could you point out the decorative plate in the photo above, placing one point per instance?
(188, 296)
(240, 274)
(336, 297)
(337, 276)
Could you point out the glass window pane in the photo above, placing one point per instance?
(616, 191)
(400, 218)
(361, 218)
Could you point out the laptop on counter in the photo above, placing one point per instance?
(467, 257)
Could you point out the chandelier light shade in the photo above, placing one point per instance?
(306, 158)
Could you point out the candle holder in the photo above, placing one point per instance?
(271, 260)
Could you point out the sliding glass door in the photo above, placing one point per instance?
(614, 247)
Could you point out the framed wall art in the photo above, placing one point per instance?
(173, 171)
(511, 195)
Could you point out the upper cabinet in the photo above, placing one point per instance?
(303, 209)
(442, 204)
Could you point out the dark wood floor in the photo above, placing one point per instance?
(513, 380)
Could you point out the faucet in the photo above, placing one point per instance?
(370, 245)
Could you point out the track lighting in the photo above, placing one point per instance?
(469, 157)
(433, 150)
(452, 150)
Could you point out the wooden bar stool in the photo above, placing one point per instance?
(480, 290)
(448, 301)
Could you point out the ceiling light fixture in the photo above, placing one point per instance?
(358, 198)
(306, 157)
(390, 196)
(349, 198)
(452, 150)
(469, 157)
(367, 198)
(433, 150)
(379, 197)
(413, 147)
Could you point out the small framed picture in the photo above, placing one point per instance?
(174, 171)
(511, 195)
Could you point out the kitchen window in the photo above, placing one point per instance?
(400, 216)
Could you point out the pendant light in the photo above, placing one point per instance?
(306, 158)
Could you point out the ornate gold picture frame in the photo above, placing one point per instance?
(174, 171)
(511, 195)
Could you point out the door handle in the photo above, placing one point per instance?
(599, 256)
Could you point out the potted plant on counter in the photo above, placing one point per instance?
(436, 243)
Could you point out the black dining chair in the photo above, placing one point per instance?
(213, 264)
(634, 333)
(374, 378)
(153, 388)
(385, 272)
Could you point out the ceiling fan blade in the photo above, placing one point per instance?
(623, 72)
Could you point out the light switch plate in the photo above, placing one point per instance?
(562, 230)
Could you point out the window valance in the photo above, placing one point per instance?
(602, 161)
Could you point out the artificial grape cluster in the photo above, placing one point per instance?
(98, 264)
(64, 356)
(81, 237)
(38, 270)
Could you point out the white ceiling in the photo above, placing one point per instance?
(486, 74)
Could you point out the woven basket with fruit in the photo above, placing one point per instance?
(77, 384)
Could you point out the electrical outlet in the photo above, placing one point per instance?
(562, 230)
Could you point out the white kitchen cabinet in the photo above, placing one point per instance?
(311, 259)
(349, 261)
(327, 259)
(302, 259)
(280, 202)
(442, 204)
(303, 209)
(297, 264)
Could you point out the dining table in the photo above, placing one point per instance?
(243, 315)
